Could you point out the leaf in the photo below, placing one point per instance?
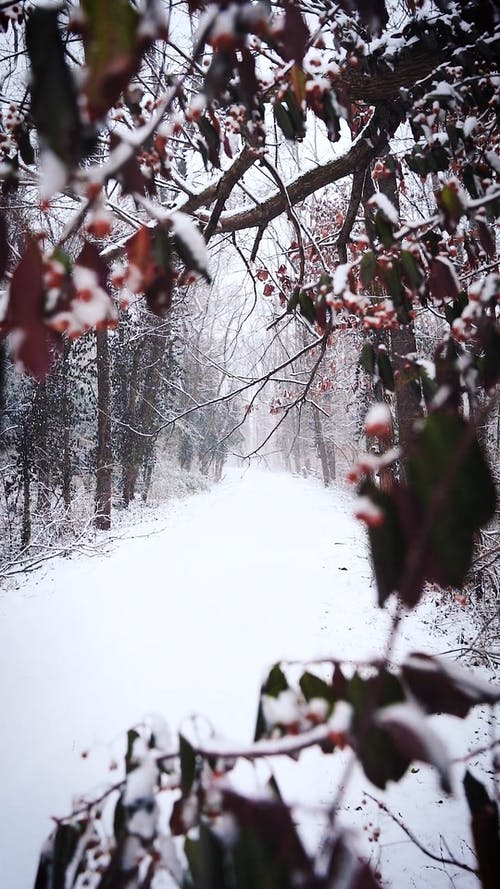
(486, 239)
(65, 843)
(385, 370)
(306, 306)
(451, 207)
(383, 228)
(130, 763)
(210, 860)
(295, 37)
(32, 341)
(249, 86)
(344, 859)
(113, 51)
(90, 258)
(268, 851)
(368, 268)
(447, 457)
(441, 686)
(415, 738)
(313, 686)
(188, 764)
(273, 686)
(378, 755)
(390, 540)
(54, 103)
(367, 358)
(412, 272)
(211, 143)
(485, 830)
(130, 175)
(391, 274)
(190, 244)
(443, 283)
(284, 121)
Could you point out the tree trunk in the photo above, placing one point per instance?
(320, 444)
(66, 467)
(26, 524)
(102, 518)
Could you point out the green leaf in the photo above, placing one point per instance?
(384, 229)
(379, 756)
(54, 103)
(275, 683)
(212, 871)
(112, 51)
(368, 268)
(306, 305)
(284, 121)
(447, 458)
(188, 764)
(387, 546)
(385, 370)
(367, 358)
(451, 206)
(130, 763)
(65, 843)
(412, 272)
(119, 820)
(314, 687)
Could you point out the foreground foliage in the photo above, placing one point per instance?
(426, 71)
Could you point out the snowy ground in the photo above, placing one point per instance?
(185, 615)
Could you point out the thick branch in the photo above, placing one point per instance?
(370, 143)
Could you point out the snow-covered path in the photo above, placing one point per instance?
(184, 617)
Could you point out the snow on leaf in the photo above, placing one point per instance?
(442, 686)
(89, 305)
(141, 782)
(415, 738)
(378, 421)
(382, 202)
(190, 244)
(53, 172)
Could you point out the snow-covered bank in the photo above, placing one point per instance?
(188, 620)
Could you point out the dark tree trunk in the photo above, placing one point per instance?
(321, 446)
(102, 518)
(25, 463)
(66, 443)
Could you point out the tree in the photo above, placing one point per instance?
(131, 145)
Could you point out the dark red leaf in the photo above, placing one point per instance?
(443, 282)
(295, 35)
(486, 239)
(33, 343)
(444, 687)
(90, 257)
(485, 830)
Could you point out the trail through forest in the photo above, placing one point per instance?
(184, 615)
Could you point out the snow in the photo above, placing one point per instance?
(53, 174)
(384, 204)
(186, 615)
